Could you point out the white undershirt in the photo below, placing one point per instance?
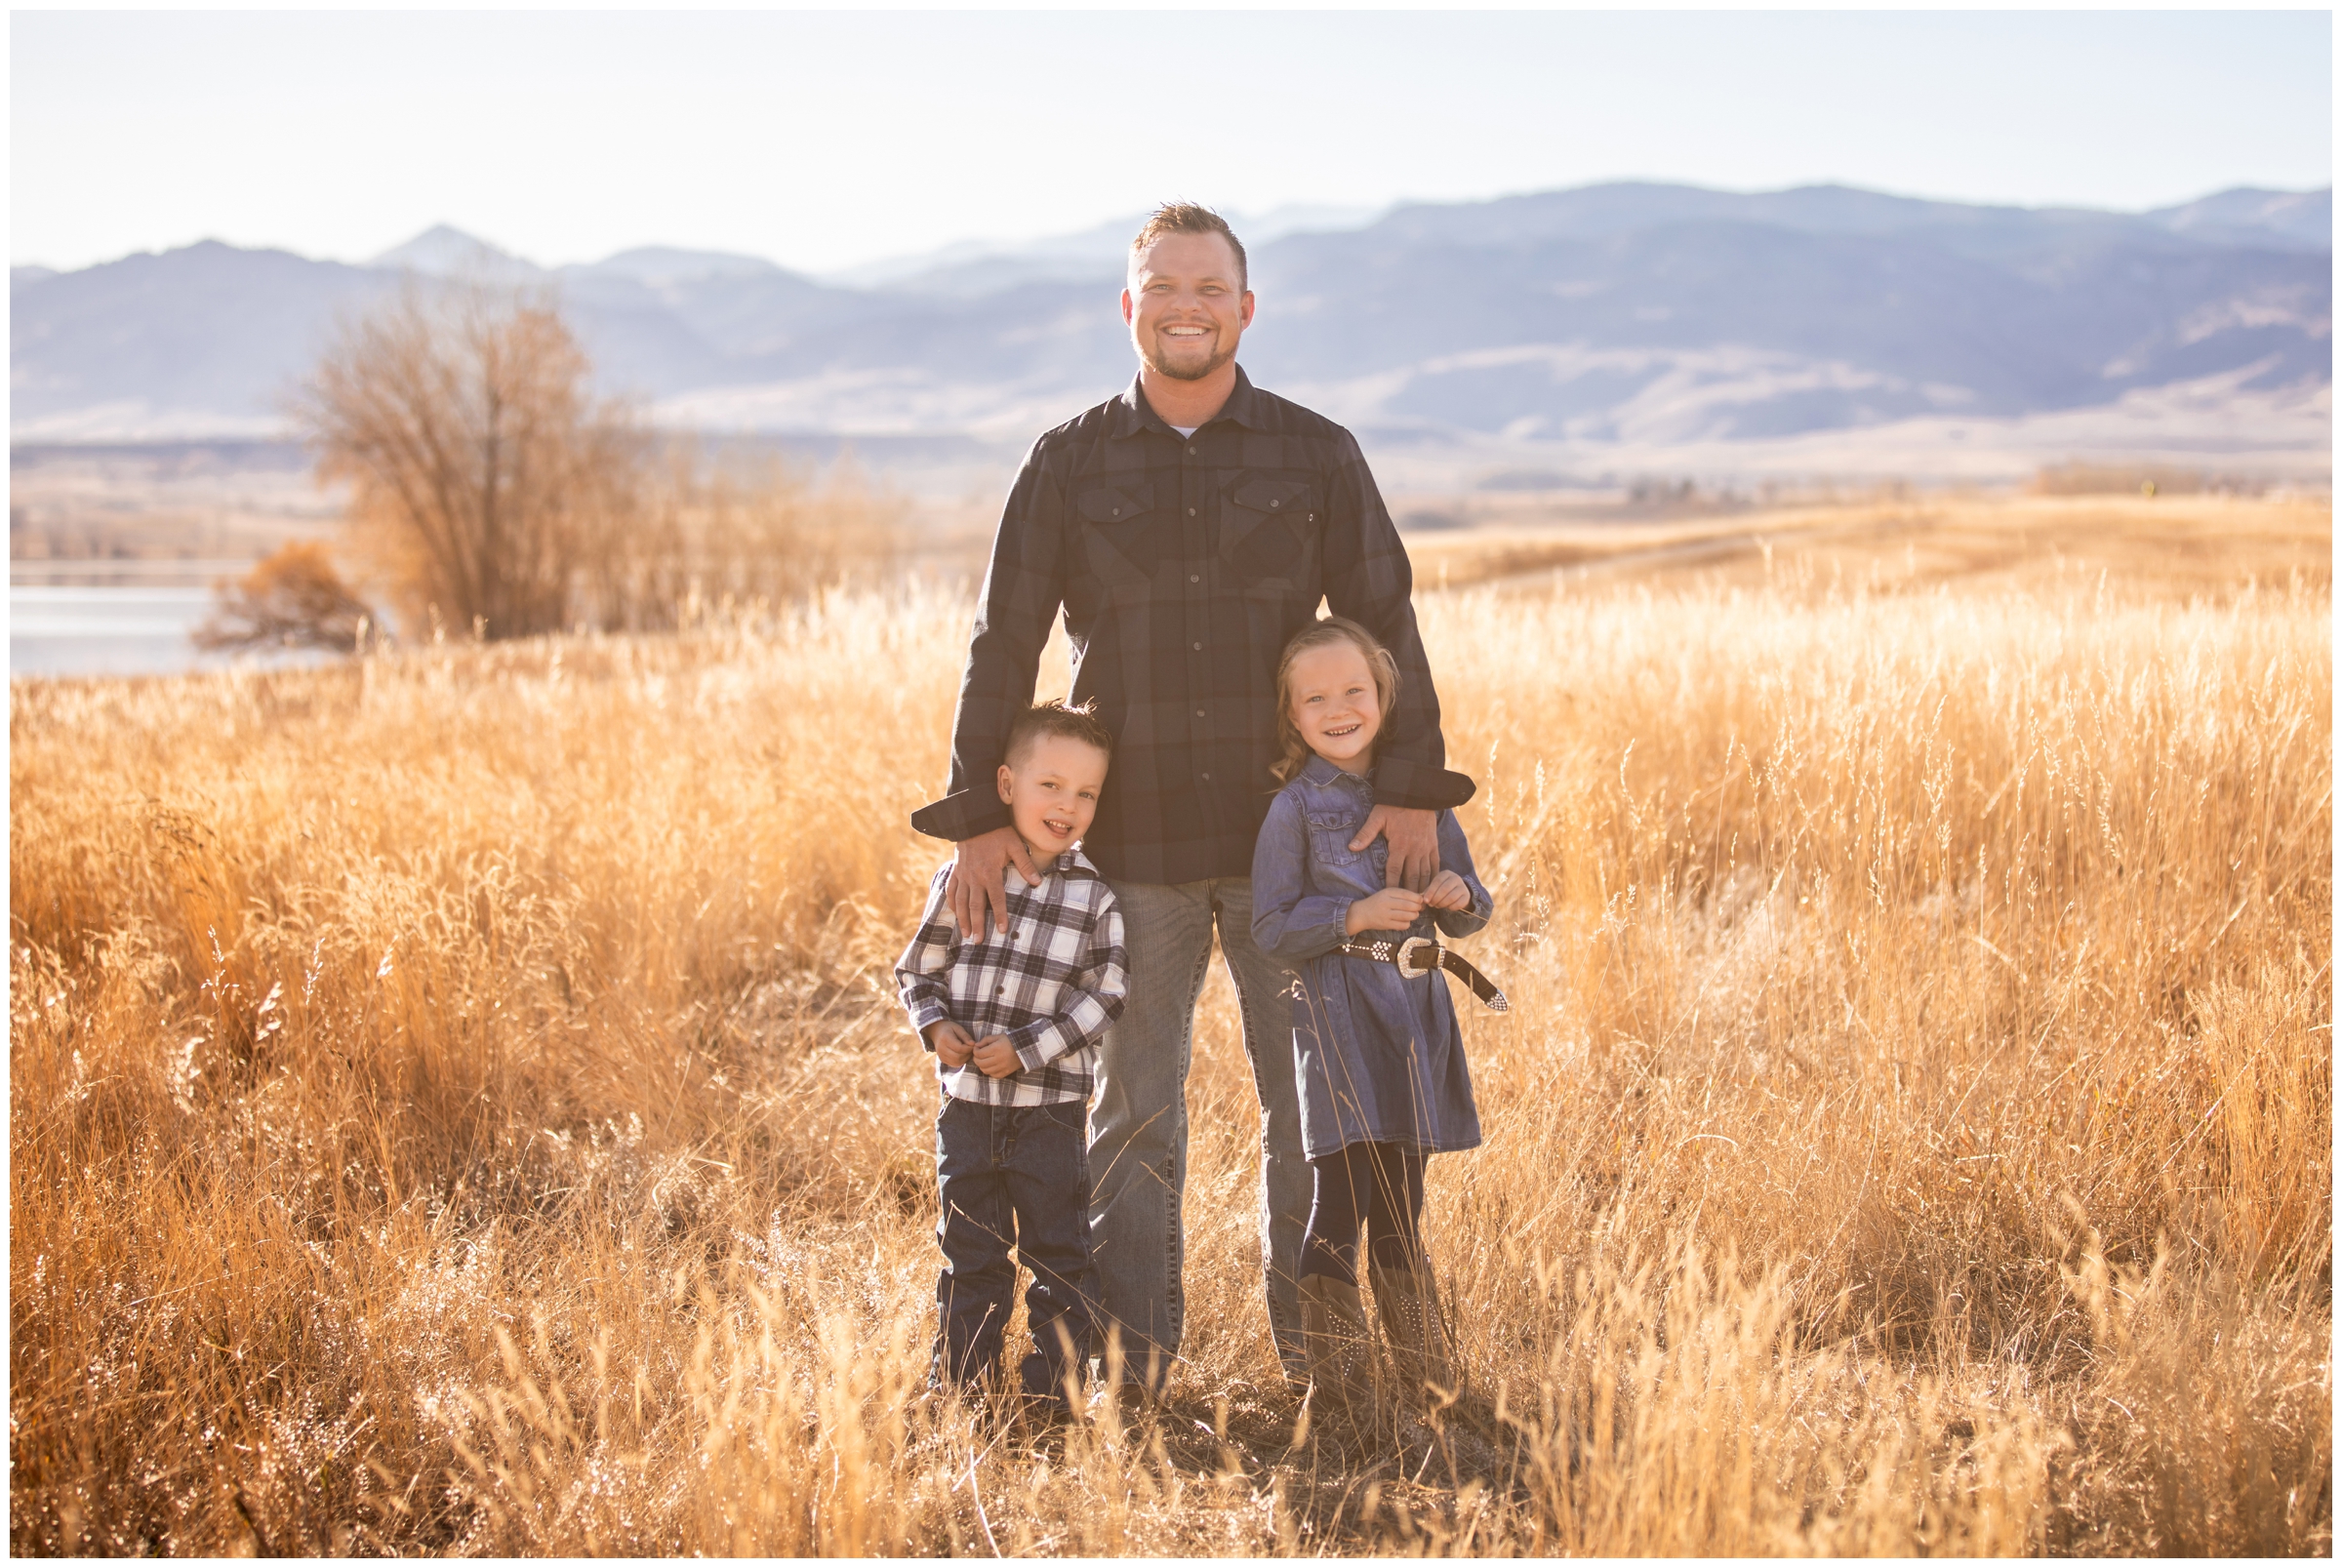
(1186, 431)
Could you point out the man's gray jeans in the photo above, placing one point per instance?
(1138, 1124)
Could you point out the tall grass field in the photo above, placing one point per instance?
(457, 1102)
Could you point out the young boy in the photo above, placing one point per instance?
(1014, 1022)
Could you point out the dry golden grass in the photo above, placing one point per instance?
(2170, 546)
(457, 1106)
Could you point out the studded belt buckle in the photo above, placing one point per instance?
(1414, 948)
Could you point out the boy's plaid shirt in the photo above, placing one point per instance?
(1052, 985)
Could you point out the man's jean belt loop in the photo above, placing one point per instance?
(1419, 955)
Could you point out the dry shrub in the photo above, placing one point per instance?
(708, 533)
(294, 598)
(457, 1103)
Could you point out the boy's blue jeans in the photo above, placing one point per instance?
(1015, 1174)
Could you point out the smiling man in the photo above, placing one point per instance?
(1187, 529)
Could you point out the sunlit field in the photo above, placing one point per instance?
(457, 1102)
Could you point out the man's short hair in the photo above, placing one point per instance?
(1187, 218)
(1054, 717)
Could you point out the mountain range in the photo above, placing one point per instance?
(1603, 326)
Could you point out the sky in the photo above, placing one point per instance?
(820, 140)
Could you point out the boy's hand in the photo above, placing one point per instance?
(995, 1057)
(952, 1045)
(1447, 892)
(1391, 909)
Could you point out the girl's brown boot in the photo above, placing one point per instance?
(1341, 1358)
(1407, 1300)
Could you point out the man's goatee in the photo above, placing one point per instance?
(1197, 374)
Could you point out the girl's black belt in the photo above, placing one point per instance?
(1420, 955)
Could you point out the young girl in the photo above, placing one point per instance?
(1378, 1055)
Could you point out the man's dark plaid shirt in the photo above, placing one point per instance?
(1184, 565)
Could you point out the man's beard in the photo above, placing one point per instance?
(1196, 374)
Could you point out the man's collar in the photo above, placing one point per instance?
(1132, 414)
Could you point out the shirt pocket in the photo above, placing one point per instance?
(1330, 833)
(1268, 532)
(1120, 534)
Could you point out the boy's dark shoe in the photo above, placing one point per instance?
(1041, 1391)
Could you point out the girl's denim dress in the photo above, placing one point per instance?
(1377, 1052)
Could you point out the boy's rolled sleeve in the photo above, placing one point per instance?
(1288, 921)
(1091, 1002)
(922, 974)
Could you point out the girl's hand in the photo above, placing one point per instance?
(1391, 909)
(1447, 892)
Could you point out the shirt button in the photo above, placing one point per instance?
(1192, 577)
(1199, 713)
(1198, 647)
(1207, 777)
(1191, 511)
(1191, 452)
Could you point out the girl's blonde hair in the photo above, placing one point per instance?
(1323, 634)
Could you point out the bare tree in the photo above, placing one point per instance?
(493, 493)
(483, 474)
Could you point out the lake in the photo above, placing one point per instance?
(117, 628)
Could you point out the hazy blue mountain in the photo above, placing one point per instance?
(663, 264)
(1638, 313)
(167, 341)
(974, 267)
(2300, 219)
(441, 250)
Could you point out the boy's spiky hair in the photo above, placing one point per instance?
(1054, 717)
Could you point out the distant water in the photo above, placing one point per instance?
(114, 629)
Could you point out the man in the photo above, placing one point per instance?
(1187, 529)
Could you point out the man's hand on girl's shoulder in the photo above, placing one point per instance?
(1413, 836)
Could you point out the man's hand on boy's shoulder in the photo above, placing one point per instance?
(977, 892)
(995, 1057)
(953, 1044)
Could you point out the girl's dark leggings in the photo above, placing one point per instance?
(1378, 1186)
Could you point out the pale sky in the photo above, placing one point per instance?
(823, 138)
